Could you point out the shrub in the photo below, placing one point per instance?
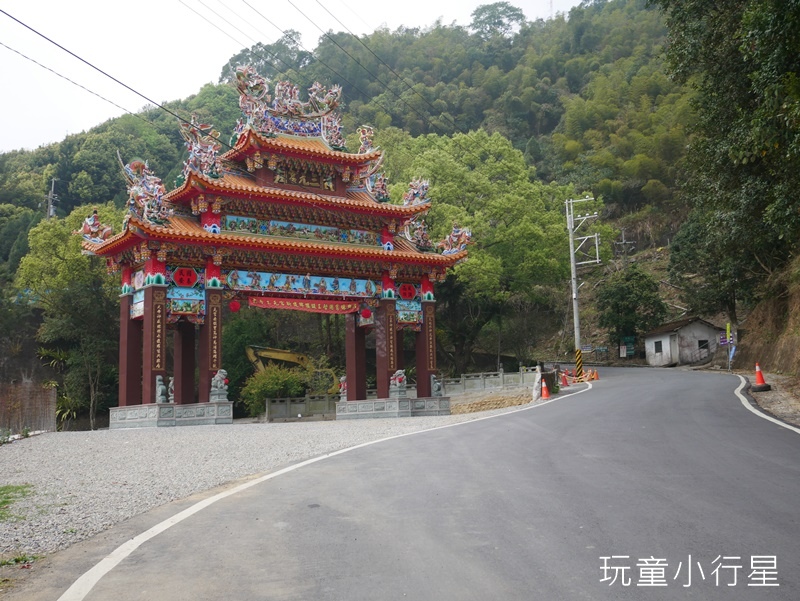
(274, 381)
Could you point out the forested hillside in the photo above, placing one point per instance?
(507, 119)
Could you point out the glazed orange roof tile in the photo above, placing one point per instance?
(252, 141)
(357, 200)
(186, 229)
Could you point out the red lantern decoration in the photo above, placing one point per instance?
(366, 313)
(235, 306)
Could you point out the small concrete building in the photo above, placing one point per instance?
(682, 342)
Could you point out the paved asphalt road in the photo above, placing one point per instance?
(661, 465)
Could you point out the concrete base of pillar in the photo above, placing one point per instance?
(170, 414)
(383, 408)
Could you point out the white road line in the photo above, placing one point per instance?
(83, 585)
(747, 404)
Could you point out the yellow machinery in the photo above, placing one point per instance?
(258, 355)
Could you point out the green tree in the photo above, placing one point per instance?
(744, 161)
(520, 245)
(80, 304)
(629, 304)
(708, 261)
(498, 18)
(273, 61)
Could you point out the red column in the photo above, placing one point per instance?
(426, 350)
(210, 347)
(154, 340)
(184, 362)
(356, 358)
(401, 363)
(385, 345)
(130, 354)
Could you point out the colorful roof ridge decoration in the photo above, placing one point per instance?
(249, 141)
(416, 232)
(286, 113)
(94, 231)
(201, 140)
(186, 229)
(358, 199)
(145, 192)
(365, 134)
(417, 193)
(457, 241)
(376, 184)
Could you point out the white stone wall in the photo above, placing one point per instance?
(654, 358)
(688, 338)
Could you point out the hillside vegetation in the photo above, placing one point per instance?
(684, 134)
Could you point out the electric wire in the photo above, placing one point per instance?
(332, 70)
(387, 65)
(221, 142)
(111, 102)
(210, 22)
(226, 20)
(425, 118)
(373, 75)
(238, 42)
(99, 70)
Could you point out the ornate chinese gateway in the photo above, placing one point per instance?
(286, 218)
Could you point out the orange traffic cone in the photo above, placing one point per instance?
(595, 375)
(564, 382)
(760, 385)
(759, 375)
(545, 391)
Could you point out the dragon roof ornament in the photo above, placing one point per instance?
(457, 241)
(416, 232)
(145, 193)
(284, 112)
(202, 141)
(417, 193)
(377, 186)
(365, 134)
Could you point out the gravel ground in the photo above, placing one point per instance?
(85, 482)
(783, 401)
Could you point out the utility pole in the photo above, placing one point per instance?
(573, 223)
(51, 198)
(625, 245)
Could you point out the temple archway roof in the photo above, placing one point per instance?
(309, 147)
(355, 200)
(185, 230)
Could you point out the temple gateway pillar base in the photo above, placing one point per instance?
(384, 408)
(170, 414)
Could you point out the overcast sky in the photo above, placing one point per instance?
(166, 49)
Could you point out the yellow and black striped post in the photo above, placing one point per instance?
(578, 364)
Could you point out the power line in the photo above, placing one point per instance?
(99, 70)
(210, 22)
(111, 102)
(397, 75)
(310, 202)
